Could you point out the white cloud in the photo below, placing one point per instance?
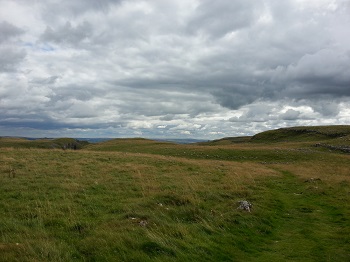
(139, 124)
(185, 132)
(290, 114)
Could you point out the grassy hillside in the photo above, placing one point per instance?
(335, 138)
(142, 200)
(270, 146)
(303, 133)
(238, 152)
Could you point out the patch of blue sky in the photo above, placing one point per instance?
(43, 47)
(46, 48)
(28, 44)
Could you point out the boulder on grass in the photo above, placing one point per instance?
(244, 205)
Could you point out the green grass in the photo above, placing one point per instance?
(303, 133)
(141, 200)
(237, 152)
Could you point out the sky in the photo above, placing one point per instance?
(172, 69)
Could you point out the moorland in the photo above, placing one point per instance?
(144, 200)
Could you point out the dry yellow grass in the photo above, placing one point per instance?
(332, 172)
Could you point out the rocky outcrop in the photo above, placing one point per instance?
(342, 148)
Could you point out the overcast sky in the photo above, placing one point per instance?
(176, 69)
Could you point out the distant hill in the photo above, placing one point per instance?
(336, 134)
(335, 137)
(127, 144)
(226, 141)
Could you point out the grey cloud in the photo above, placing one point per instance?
(234, 98)
(67, 33)
(8, 31)
(10, 53)
(82, 110)
(47, 81)
(165, 104)
(76, 92)
(51, 79)
(41, 124)
(46, 123)
(259, 112)
(217, 18)
(290, 114)
(10, 57)
(54, 9)
(152, 108)
(325, 72)
(326, 107)
(168, 117)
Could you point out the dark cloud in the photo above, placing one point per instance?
(41, 124)
(326, 107)
(53, 9)
(217, 18)
(290, 114)
(234, 99)
(47, 80)
(167, 117)
(323, 73)
(10, 58)
(67, 33)
(258, 112)
(8, 31)
(10, 53)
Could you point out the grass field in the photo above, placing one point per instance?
(142, 200)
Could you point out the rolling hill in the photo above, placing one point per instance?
(303, 134)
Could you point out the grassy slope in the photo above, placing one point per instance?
(303, 133)
(87, 205)
(237, 152)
